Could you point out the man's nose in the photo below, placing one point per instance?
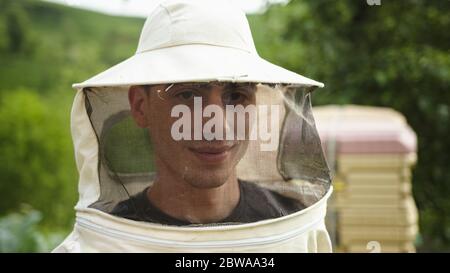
(214, 97)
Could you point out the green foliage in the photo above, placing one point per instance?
(394, 55)
(36, 162)
(19, 232)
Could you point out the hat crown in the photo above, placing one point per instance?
(182, 22)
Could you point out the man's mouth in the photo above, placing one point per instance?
(212, 154)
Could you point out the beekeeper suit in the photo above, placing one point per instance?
(196, 144)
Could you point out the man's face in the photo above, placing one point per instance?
(201, 163)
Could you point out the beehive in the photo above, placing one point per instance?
(371, 151)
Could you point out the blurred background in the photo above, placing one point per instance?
(393, 55)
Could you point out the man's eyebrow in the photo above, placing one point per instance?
(192, 85)
(222, 84)
(148, 87)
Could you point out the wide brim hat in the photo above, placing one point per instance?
(195, 41)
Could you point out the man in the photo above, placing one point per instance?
(191, 52)
(196, 181)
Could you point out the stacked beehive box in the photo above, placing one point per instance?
(371, 151)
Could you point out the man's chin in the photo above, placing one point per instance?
(207, 181)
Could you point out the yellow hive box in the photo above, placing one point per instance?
(400, 188)
(382, 163)
(364, 200)
(377, 177)
(381, 217)
(344, 203)
(349, 234)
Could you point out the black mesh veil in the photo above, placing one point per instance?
(290, 164)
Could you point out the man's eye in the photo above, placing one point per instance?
(186, 95)
(234, 98)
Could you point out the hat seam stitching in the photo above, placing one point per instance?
(195, 43)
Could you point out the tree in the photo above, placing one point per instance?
(17, 35)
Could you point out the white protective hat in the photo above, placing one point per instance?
(192, 41)
(185, 41)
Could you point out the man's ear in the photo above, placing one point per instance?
(137, 97)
